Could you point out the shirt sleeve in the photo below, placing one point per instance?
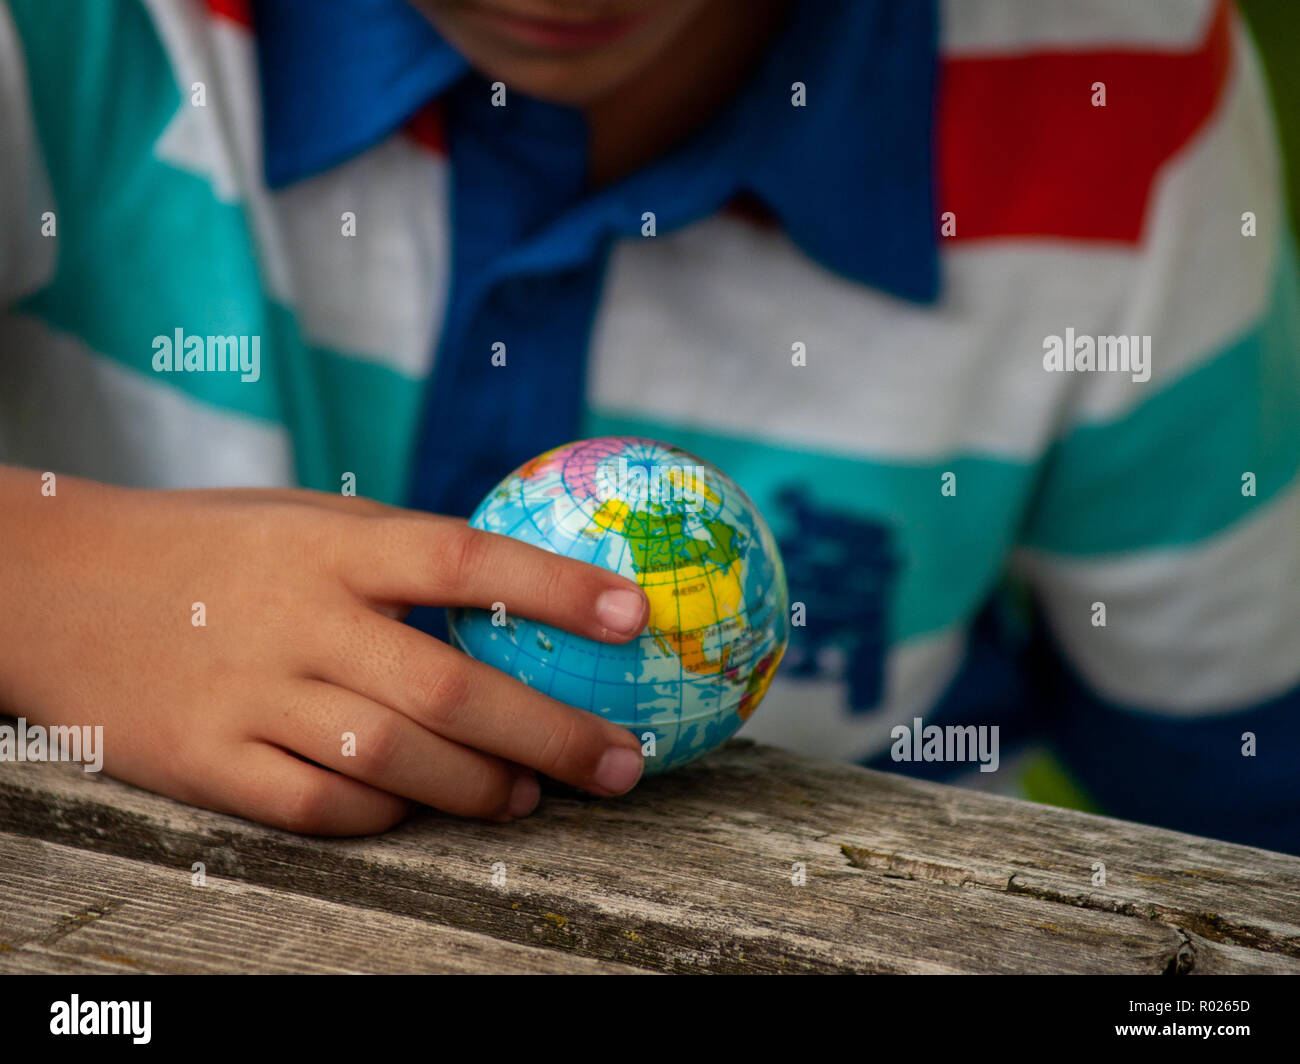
(1162, 545)
(27, 233)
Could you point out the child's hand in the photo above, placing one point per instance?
(301, 593)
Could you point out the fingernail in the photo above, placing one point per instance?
(524, 795)
(619, 769)
(621, 610)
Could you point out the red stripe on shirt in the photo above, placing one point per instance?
(1023, 152)
(427, 127)
(235, 10)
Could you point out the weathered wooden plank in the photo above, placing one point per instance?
(69, 910)
(693, 873)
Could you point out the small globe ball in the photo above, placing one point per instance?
(697, 546)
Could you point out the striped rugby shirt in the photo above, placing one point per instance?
(156, 184)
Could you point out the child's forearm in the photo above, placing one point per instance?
(216, 634)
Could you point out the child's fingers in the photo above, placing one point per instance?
(264, 783)
(475, 705)
(437, 561)
(353, 504)
(360, 738)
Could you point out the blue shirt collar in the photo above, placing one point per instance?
(849, 176)
(339, 77)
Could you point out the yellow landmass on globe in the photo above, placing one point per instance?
(611, 517)
(759, 681)
(684, 608)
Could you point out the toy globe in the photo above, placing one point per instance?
(704, 556)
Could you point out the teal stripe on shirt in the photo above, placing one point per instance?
(1169, 473)
(144, 249)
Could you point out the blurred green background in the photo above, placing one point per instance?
(1275, 25)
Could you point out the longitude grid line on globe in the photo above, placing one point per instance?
(708, 571)
(565, 636)
(714, 629)
(553, 668)
(649, 538)
(512, 663)
(591, 519)
(718, 683)
(677, 599)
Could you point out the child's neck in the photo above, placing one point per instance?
(682, 89)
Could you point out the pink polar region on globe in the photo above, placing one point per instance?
(702, 553)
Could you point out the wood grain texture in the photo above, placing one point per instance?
(76, 911)
(693, 872)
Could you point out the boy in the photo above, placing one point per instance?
(953, 290)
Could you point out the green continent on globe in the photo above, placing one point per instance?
(657, 549)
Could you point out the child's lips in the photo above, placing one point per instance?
(563, 34)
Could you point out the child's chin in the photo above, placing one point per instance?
(573, 80)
